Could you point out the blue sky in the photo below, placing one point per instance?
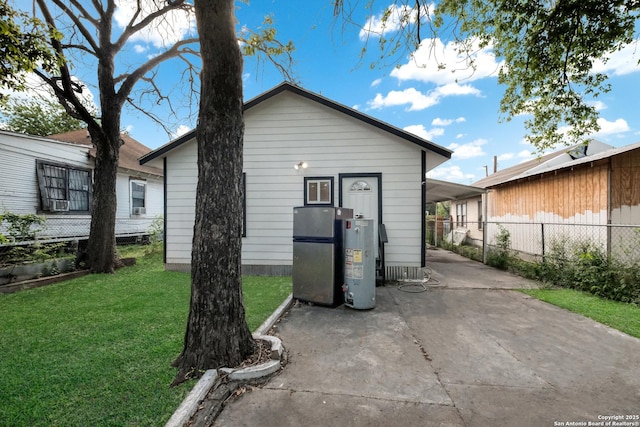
(461, 115)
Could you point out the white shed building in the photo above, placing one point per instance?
(303, 149)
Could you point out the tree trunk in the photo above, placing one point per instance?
(217, 333)
(101, 250)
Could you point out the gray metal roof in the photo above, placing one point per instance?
(561, 159)
(440, 191)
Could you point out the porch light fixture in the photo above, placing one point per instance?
(300, 165)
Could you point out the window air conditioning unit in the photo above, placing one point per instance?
(139, 211)
(59, 205)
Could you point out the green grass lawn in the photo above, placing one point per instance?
(618, 315)
(96, 350)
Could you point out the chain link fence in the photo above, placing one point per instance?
(27, 241)
(557, 240)
(537, 241)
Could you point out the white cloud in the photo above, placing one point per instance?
(621, 62)
(450, 173)
(127, 129)
(422, 132)
(36, 88)
(446, 122)
(376, 82)
(598, 105)
(526, 154)
(140, 49)
(469, 150)
(506, 156)
(455, 89)
(609, 128)
(417, 100)
(397, 17)
(164, 31)
(435, 62)
(606, 128)
(460, 135)
(182, 129)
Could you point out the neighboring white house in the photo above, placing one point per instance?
(53, 177)
(303, 149)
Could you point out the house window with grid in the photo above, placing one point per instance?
(138, 197)
(461, 214)
(318, 191)
(63, 188)
(479, 214)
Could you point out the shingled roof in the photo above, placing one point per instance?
(130, 151)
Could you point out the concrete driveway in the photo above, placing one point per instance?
(473, 353)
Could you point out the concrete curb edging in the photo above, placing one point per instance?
(189, 405)
(271, 320)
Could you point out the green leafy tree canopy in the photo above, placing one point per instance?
(39, 117)
(549, 50)
(23, 47)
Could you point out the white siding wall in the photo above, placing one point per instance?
(128, 224)
(474, 235)
(285, 130)
(122, 196)
(181, 178)
(18, 183)
(155, 197)
(19, 192)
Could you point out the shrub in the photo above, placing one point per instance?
(582, 266)
(586, 267)
(23, 229)
(20, 227)
(500, 256)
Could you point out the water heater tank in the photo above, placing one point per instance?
(359, 264)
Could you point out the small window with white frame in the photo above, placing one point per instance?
(138, 197)
(318, 191)
(461, 214)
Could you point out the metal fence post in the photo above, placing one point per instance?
(543, 248)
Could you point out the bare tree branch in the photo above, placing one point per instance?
(65, 94)
(132, 78)
(85, 14)
(79, 47)
(133, 28)
(74, 18)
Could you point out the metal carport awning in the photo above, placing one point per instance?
(441, 191)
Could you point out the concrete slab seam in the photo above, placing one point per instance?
(381, 399)
(502, 386)
(446, 390)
